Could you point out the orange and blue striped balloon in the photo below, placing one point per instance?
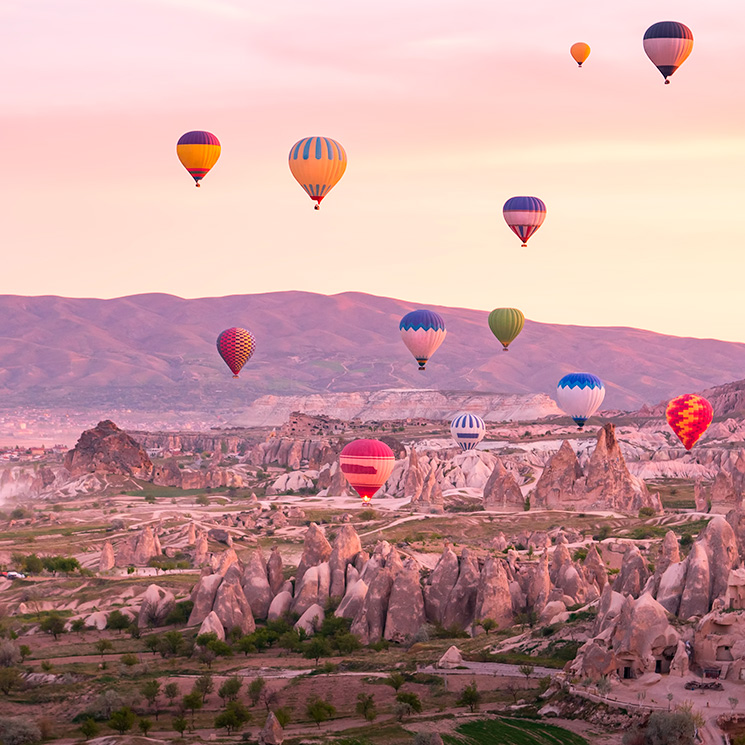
(317, 163)
(198, 151)
(668, 45)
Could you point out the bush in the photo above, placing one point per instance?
(18, 731)
(646, 512)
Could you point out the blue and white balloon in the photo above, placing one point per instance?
(580, 394)
(468, 430)
(422, 332)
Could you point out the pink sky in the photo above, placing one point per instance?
(445, 109)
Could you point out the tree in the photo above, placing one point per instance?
(205, 684)
(526, 670)
(117, 621)
(89, 728)
(319, 710)
(366, 706)
(152, 643)
(604, 686)
(470, 696)
(53, 624)
(192, 702)
(103, 645)
(488, 624)
(269, 697)
(409, 702)
(255, 687)
(171, 692)
(180, 724)
(122, 720)
(669, 698)
(10, 678)
(395, 680)
(733, 702)
(150, 691)
(78, 625)
(316, 648)
(19, 731)
(283, 715)
(670, 728)
(234, 716)
(145, 725)
(130, 660)
(171, 643)
(230, 688)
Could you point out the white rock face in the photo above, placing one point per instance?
(294, 481)
(397, 404)
(311, 620)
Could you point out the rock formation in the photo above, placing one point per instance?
(272, 732)
(274, 572)
(108, 449)
(430, 497)
(440, 584)
(155, 605)
(502, 492)
(405, 613)
(138, 549)
(346, 547)
(231, 605)
(212, 625)
(312, 588)
(493, 599)
(316, 550)
(634, 573)
(605, 484)
(107, 560)
(461, 603)
(414, 479)
(256, 584)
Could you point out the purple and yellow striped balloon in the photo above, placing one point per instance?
(198, 151)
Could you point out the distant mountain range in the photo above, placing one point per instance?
(157, 352)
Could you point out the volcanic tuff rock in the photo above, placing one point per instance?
(405, 613)
(595, 570)
(316, 550)
(138, 549)
(280, 605)
(502, 491)
(493, 599)
(440, 584)
(414, 479)
(634, 573)
(274, 572)
(203, 597)
(669, 554)
(256, 584)
(312, 588)
(311, 619)
(539, 586)
(155, 605)
(212, 625)
(272, 732)
(107, 560)
(430, 497)
(605, 484)
(461, 602)
(346, 547)
(108, 449)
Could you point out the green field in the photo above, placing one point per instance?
(512, 732)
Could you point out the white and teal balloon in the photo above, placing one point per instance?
(580, 394)
(467, 430)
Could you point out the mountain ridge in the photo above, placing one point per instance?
(158, 350)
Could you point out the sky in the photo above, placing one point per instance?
(445, 109)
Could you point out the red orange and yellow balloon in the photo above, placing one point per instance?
(689, 416)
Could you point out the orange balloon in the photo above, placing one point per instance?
(580, 52)
(689, 416)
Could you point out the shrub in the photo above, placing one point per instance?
(18, 731)
(646, 512)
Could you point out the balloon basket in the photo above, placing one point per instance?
(317, 207)
(524, 245)
(235, 376)
(667, 82)
(198, 185)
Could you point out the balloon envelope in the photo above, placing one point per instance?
(580, 52)
(367, 464)
(198, 151)
(689, 416)
(422, 331)
(668, 45)
(236, 345)
(467, 430)
(580, 395)
(317, 163)
(524, 215)
(506, 324)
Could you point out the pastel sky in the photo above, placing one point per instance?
(445, 109)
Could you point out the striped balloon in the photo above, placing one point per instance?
(580, 395)
(317, 163)
(198, 151)
(668, 45)
(524, 215)
(467, 430)
(422, 331)
(580, 52)
(367, 464)
(689, 416)
(236, 345)
(506, 324)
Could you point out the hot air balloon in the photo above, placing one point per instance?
(506, 324)
(367, 464)
(317, 163)
(668, 45)
(689, 416)
(580, 395)
(524, 215)
(467, 430)
(198, 152)
(422, 331)
(236, 345)
(580, 52)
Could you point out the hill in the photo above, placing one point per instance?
(156, 351)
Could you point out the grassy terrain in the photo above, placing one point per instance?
(512, 732)
(675, 494)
